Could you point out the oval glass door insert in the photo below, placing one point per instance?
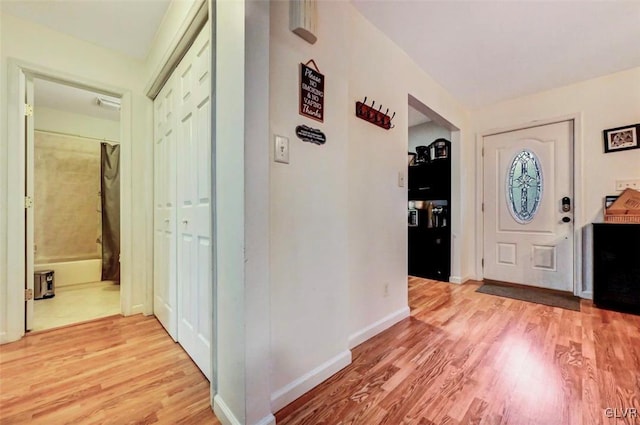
(524, 186)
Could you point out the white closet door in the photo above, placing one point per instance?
(164, 252)
(194, 203)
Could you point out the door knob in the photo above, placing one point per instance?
(566, 219)
(185, 221)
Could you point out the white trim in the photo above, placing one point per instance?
(226, 416)
(14, 303)
(223, 412)
(578, 206)
(375, 328)
(184, 37)
(587, 295)
(578, 191)
(138, 309)
(267, 420)
(309, 380)
(15, 213)
(3, 338)
(479, 216)
(459, 280)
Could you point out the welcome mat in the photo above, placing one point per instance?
(532, 295)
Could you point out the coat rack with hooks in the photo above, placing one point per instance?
(376, 117)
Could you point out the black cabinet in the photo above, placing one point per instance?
(429, 187)
(429, 253)
(616, 266)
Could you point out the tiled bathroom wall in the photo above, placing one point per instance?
(67, 198)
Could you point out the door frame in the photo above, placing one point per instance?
(16, 240)
(578, 195)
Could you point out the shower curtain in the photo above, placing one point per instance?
(110, 200)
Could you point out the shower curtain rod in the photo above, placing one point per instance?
(59, 133)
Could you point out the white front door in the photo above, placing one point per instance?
(183, 254)
(528, 237)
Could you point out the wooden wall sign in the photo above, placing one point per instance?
(311, 92)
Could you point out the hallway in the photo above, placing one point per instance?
(470, 358)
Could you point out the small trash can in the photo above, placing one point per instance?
(44, 285)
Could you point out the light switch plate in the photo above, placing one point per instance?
(281, 149)
(400, 179)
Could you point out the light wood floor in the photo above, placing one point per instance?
(111, 371)
(470, 358)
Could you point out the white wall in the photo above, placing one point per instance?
(3, 190)
(425, 134)
(55, 120)
(256, 225)
(309, 229)
(601, 103)
(338, 217)
(96, 67)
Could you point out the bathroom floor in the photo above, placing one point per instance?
(77, 303)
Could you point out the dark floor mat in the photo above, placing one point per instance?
(533, 295)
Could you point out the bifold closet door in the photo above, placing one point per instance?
(164, 220)
(183, 238)
(194, 203)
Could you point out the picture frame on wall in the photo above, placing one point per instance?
(621, 138)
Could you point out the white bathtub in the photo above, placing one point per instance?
(74, 272)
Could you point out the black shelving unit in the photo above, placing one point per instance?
(616, 266)
(430, 247)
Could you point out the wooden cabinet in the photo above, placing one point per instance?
(616, 266)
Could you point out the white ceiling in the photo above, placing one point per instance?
(127, 26)
(71, 99)
(486, 51)
(480, 51)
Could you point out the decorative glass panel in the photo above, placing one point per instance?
(524, 186)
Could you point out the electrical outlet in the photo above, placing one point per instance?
(400, 179)
(627, 184)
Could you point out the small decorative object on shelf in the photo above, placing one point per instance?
(376, 117)
(624, 208)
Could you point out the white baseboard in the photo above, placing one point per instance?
(223, 413)
(3, 338)
(375, 328)
(309, 380)
(267, 420)
(459, 280)
(587, 295)
(137, 309)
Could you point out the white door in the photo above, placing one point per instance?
(194, 203)
(528, 238)
(183, 266)
(164, 249)
(29, 195)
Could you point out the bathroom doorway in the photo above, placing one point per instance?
(75, 210)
